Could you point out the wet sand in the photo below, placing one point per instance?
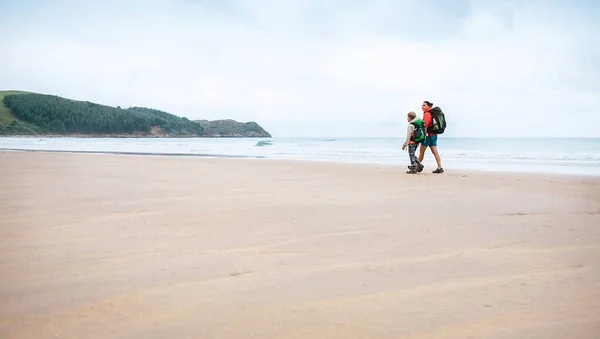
(106, 246)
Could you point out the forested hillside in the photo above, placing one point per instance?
(24, 113)
(232, 128)
(52, 114)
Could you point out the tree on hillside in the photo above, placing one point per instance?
(58, 115)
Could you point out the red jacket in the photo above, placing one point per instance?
(428, 119)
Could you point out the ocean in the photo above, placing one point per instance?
(567, 156)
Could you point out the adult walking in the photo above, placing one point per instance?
(430, 139)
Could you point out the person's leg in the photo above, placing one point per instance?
(412, 150)
(414, 162)
(436, 154)
(417, 163)
(422, 150)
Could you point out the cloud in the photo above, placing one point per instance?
(338, 68)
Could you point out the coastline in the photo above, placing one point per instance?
(166, 247)
(531, 170)
(197, 155)
(127, 136)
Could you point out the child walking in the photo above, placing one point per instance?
(415, 134)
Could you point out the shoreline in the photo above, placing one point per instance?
(313, 161)
(401, 138)
(198, 155)
(102, 136)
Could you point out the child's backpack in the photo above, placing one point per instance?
(418, 135)
(438, 124)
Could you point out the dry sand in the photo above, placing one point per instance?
(104, 246)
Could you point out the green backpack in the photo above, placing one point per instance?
(419, 131)
(438, 124)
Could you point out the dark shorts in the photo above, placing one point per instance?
(430, 141)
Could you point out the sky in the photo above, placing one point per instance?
(337, 68)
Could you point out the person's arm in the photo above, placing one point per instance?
(409, 130)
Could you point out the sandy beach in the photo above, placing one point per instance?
(108, 246)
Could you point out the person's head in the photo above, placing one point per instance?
(427, 106)
(411, 116)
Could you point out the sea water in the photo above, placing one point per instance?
(569, 156)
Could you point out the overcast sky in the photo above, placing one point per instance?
(318, 67)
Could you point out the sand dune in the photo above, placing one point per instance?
(105, 246)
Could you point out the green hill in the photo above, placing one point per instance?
(233, 129)
(9, 124)
(24, 113)
(6, 116)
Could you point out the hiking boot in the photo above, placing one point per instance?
(419, 168)
(439, 170)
